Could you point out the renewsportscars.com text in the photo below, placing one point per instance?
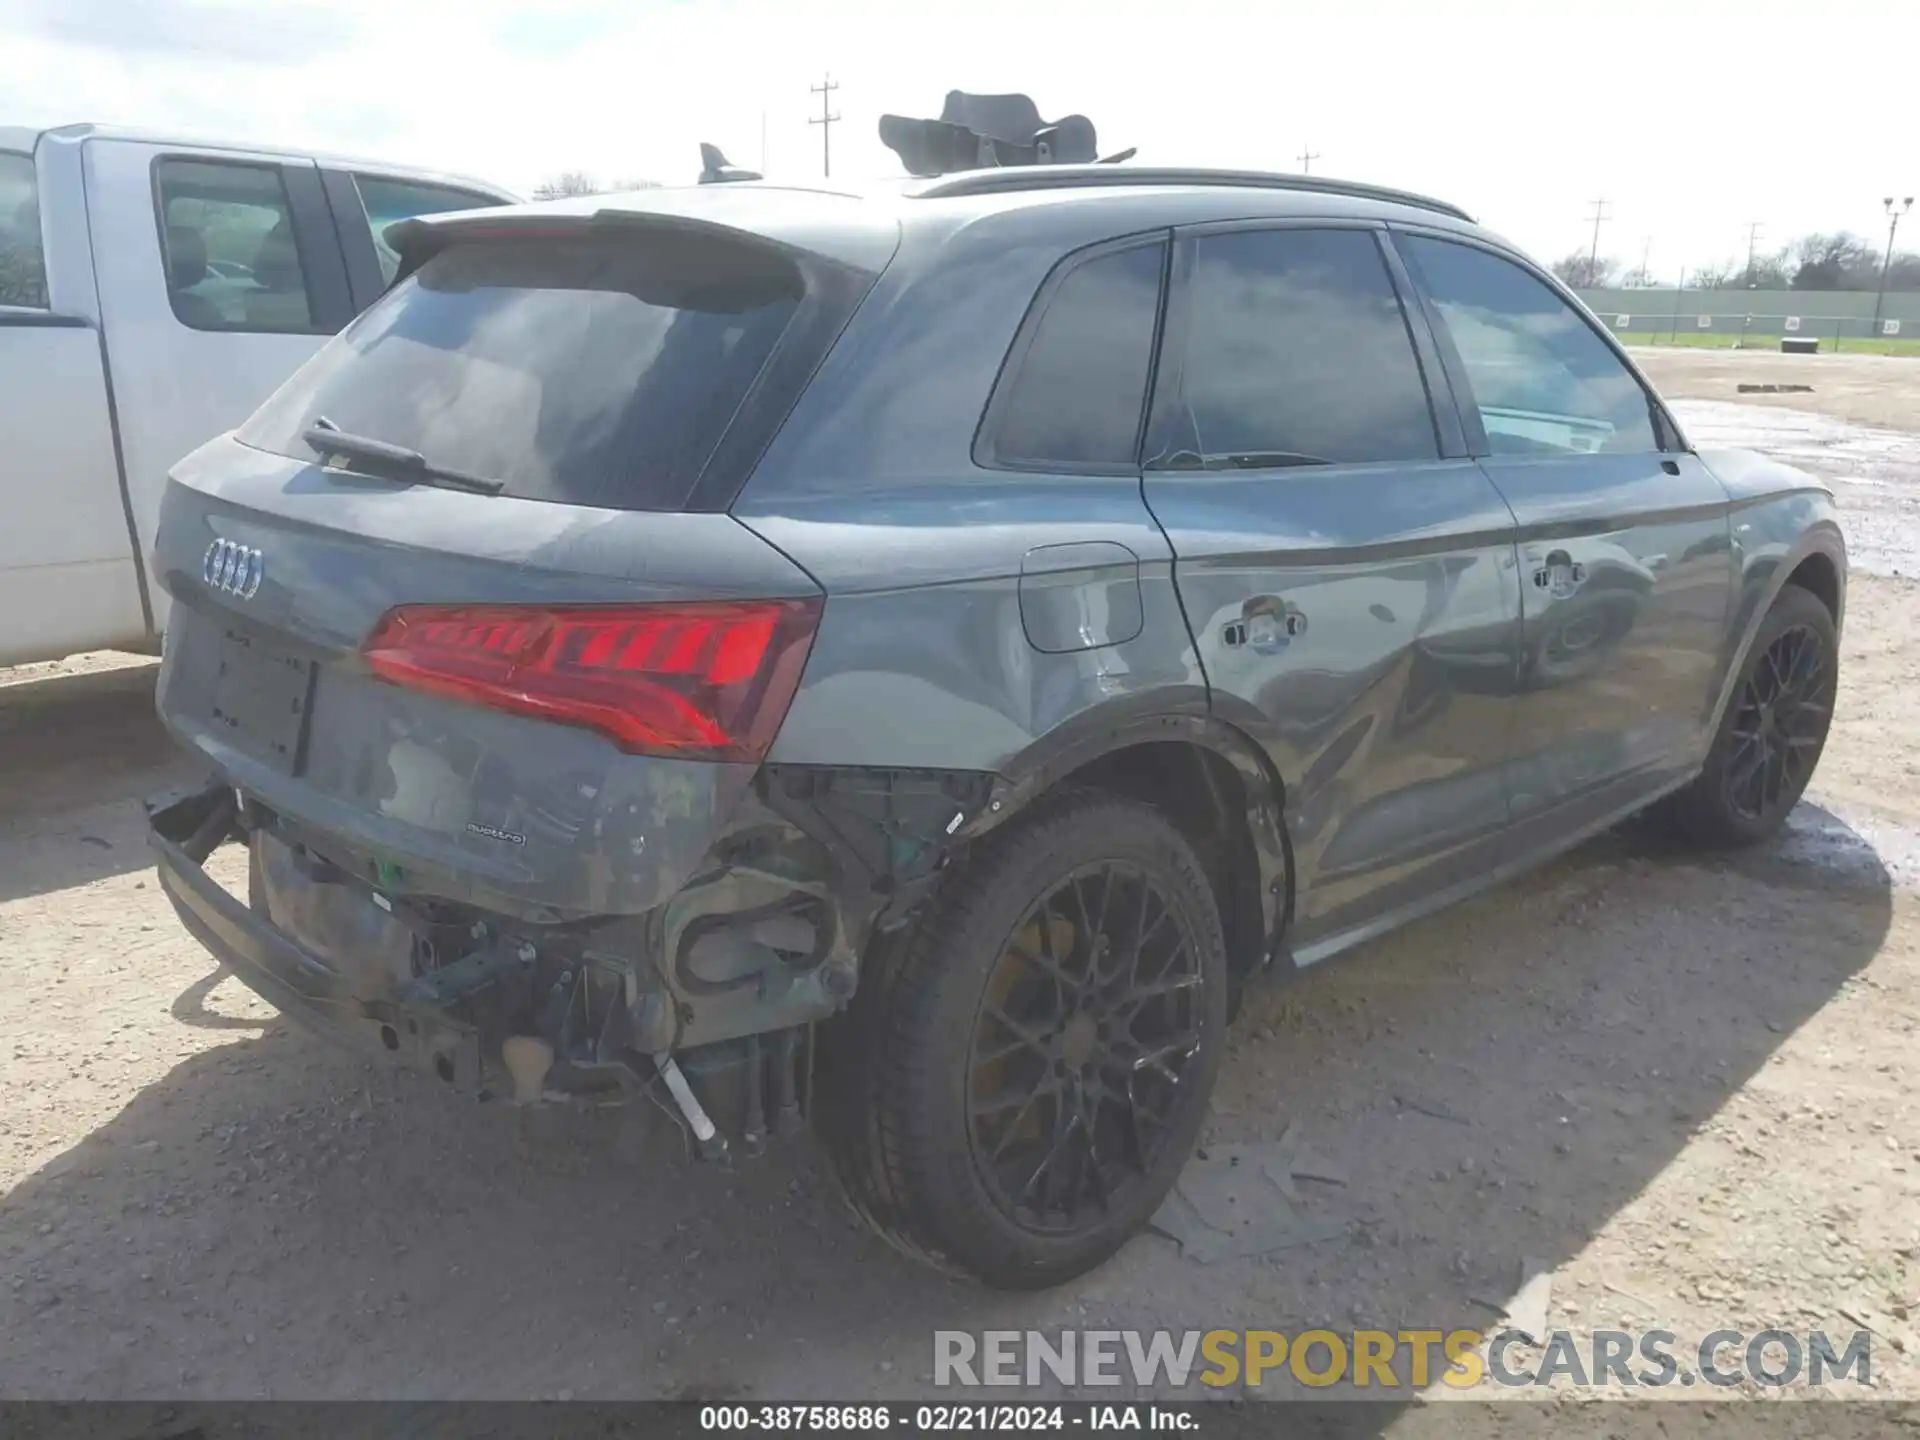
(1460, 1359)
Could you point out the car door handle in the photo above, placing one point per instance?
(1265, 624)
(1561, 575)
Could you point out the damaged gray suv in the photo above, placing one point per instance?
(893, 665)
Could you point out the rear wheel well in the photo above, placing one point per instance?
(1819, 577)
(1205, 798)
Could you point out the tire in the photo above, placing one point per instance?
(1778, 717)
(922, 1078)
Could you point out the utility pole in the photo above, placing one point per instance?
(1646, 257)
(1593, 255)
(1893, 227)
(825, 120)
(1307, 157)
(1753, 238)
(763, 142)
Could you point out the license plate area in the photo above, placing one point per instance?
(261, 698)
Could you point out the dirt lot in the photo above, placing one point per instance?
(1867, 389)
(1688, 1084)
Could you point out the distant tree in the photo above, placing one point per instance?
(1585, 273)
(1723, 275)
(1904, 273)
(1840, 261)
(567, 183)
(578, 182)
(1769, 272)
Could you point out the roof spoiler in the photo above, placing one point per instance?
(984, 132)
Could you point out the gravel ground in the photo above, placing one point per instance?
(1686, 1083)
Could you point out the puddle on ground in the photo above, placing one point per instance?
(1875, 473)
(1851, 849)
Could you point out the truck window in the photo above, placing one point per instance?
(23, 268)
(387, 201)
(232, 261)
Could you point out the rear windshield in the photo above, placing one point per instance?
(588, 372)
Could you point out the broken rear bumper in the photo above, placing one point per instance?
(184, 831)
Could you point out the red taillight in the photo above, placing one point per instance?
(698, 681)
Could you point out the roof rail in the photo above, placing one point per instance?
(1066, 177)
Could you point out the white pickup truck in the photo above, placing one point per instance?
(152, 293)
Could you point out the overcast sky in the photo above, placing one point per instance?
(1692, 117)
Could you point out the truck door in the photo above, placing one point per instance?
(219, 273)
(67, 577)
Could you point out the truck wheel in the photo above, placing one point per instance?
(1771, 737)
(1022, 1076)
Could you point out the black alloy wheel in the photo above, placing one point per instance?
(1771, 732)
(1779, 724)
(1088, 1029)
(1025, 1069)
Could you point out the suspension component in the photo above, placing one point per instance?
(712, 1144)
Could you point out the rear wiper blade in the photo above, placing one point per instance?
(393, 462)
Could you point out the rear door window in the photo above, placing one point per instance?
(588, 372)
(385, 200)
(1543, 381)
(23, 266)
(1074, 397)
(227, 239)
(1298, 353)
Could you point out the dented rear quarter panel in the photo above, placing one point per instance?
(923, 657)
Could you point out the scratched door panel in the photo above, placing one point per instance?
(1625, 567)
(1363, 623)
(1353, 594)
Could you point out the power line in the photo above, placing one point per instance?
(1593, 255)
(825, 120)
(1307, 157)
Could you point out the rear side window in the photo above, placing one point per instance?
(386, 201)
(23, 267)
(1298, 354)
(232, 262)
(1075, 399)
(1543, 381)
(588, 372)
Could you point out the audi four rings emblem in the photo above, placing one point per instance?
(235, 568)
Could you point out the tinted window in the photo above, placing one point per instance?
(1077, 396)
(1545, 383)
(587, 372)
(232, 262)
(23, 269)
(1297, 352)
(386, 201)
